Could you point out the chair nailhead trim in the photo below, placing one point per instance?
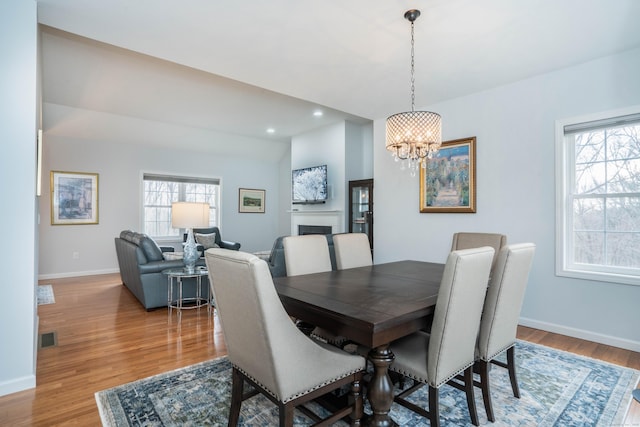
(424, 380)
(302, 393)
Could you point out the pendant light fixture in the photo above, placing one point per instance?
(413, 136)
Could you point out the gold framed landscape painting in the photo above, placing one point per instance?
(251, 200)
(448, 183)
(74, 198)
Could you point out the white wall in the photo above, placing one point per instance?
(325, 145)
(120, 167)
(514, 126)
(18, 113)
(284, 201)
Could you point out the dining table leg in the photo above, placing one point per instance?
(380, 387)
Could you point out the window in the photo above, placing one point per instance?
(159, 191)
(598, 161)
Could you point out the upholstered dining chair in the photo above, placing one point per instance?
(306, 254)
(433, 359)
(466, 240)
(267, 351)
(352, 250)
(501, 314)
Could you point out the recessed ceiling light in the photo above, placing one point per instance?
(318, 113)
(271, 130)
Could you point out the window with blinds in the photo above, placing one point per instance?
(160, 191)
(598, 163)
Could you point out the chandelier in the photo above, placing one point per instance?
(413, 136)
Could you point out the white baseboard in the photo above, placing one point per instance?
(582, 334)
(77, 274)
(17, 384)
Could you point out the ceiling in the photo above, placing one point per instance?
(241, 67)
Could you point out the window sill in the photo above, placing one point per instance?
(621, 279)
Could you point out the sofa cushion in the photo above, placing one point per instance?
(207, 241)
(150, 248)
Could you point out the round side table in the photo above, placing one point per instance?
(178, 275)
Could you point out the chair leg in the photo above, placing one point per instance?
(355, 399)
(434, 410)
(485, 386)
(286, 414)
(511, 366)
(237, 383)
(471, 401)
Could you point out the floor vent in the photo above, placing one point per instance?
(48, 340)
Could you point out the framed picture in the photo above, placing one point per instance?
(448, 183)
(74, 198)
(251, 200)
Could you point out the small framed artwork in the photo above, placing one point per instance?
(251, 200)
(448, 183)
(74, 198)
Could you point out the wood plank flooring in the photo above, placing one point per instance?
(106, 338)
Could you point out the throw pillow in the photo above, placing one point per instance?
(206, 240)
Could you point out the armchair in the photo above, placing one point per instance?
(207, 237)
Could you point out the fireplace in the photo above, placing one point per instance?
(316, 222)
(314, 229)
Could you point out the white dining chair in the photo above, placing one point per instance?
(267, 351)
(306, 254)
(352, 250)
(468, 240)
(433, 359)
(501, 314)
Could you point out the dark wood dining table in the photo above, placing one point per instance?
(371, 306)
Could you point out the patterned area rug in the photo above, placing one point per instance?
(45, 295)
(557, 389)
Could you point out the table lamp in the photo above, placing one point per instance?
(189, 215)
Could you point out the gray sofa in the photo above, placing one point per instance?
(276, 258)
(141, 264)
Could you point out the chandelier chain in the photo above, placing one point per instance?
(413, 79)
(415, 136)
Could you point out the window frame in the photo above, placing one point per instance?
(565, 180)
(214, 219)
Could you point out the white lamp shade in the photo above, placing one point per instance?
(189, 215)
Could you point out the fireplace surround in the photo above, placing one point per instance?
(316, 222)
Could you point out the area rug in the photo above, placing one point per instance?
(45, 295)
(557, 389)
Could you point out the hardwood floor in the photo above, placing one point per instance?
(105, 338)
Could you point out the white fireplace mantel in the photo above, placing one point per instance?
(331, 218)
